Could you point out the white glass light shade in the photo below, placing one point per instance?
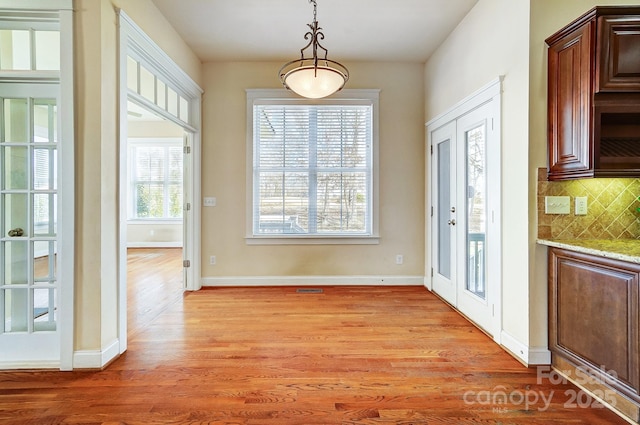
(314, 83)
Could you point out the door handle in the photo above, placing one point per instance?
(453, 209)
(452, 222)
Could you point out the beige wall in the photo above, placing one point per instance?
(485, 45)
(401, 178)
(142, 129)
(96, 311)
(154, 235)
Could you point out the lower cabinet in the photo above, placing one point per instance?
(593, 319)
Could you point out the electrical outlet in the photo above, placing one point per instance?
(557, 204)
(581, 205)
(212, 260)
(399, 259)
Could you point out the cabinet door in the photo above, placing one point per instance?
(571, 72)
(618, 54)
(593, 316)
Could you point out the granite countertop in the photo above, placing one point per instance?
(619, 249)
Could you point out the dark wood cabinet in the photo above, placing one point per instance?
(593, 317)
(618, 53)
(594, 95)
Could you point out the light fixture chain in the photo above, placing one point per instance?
(315, 6)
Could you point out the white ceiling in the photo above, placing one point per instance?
(355, 30)
(138, 113)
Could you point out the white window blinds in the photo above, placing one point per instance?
(312, 169)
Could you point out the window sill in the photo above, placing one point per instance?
(312, 240)
(154, 222)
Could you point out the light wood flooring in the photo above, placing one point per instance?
(348, 355)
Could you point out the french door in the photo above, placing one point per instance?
(443, 142)
(465, 232)
(29, 263)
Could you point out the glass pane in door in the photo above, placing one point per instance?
(444, 203)
(44, 309)
(14, 211)
(44, 266)
(15, 262)
(16, 116)
(45, 121)
(476, 210)
(15, 310)
(14, 163)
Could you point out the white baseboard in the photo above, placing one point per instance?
(154, 245)
(96, 359)
(8, 365)
(539, 356)
(313, 280)
(528, 355)
(427, 282)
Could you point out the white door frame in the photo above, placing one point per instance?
(134, 42)
(489, 93)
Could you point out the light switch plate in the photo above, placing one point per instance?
(581, 205)
(209, 202)
(557, 204)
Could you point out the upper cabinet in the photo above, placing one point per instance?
(618, 53)
(594, 95)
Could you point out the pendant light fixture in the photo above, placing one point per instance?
(314, 77)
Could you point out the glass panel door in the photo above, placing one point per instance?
(28, 238)
(444, 201)
(474, 291)
(476, 210)
(443, 141)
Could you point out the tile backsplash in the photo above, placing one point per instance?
(612, 204)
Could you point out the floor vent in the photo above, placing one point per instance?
(309, 291)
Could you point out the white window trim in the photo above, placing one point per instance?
(260, 96)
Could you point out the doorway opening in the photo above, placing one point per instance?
(155, 230)
(150, 80)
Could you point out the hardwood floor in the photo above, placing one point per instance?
(154, 281)
(348, 355)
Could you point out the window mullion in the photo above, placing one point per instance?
(284, 167)
(165, 183)
(313, 170)
(133, 170)
(342, 160)
(32, 46)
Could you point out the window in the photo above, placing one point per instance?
(156, 179)
(27, 49)
(150, 87)
(313, 167)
